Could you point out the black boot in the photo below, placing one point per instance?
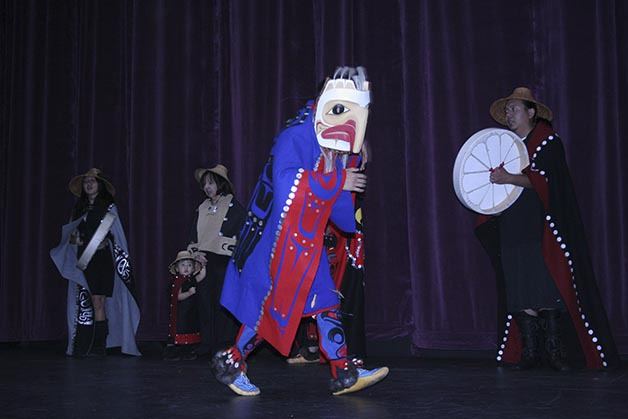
(83, 340)
(530, 328)
(99, 348)
(553, 343)
(172, 352)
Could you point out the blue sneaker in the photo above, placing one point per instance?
(242, 386)
(366, 378)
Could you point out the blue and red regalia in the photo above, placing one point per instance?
(279, 272)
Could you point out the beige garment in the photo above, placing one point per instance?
(210, 219)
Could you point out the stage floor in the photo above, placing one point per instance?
(38, 381)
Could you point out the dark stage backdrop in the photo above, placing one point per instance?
(149, 91)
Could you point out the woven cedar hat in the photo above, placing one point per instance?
(219, 170)
(185, 255)
(76, 184)
(521, 93)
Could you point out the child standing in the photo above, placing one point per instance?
(187, 270)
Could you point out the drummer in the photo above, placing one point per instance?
(539, 250)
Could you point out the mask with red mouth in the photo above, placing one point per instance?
(342, 111)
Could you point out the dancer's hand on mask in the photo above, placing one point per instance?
(355, 181)
(365, 155)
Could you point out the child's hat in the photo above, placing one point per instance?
(185, 255)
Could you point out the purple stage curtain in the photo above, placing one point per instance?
(149, 91)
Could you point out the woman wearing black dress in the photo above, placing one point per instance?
(93, 257)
